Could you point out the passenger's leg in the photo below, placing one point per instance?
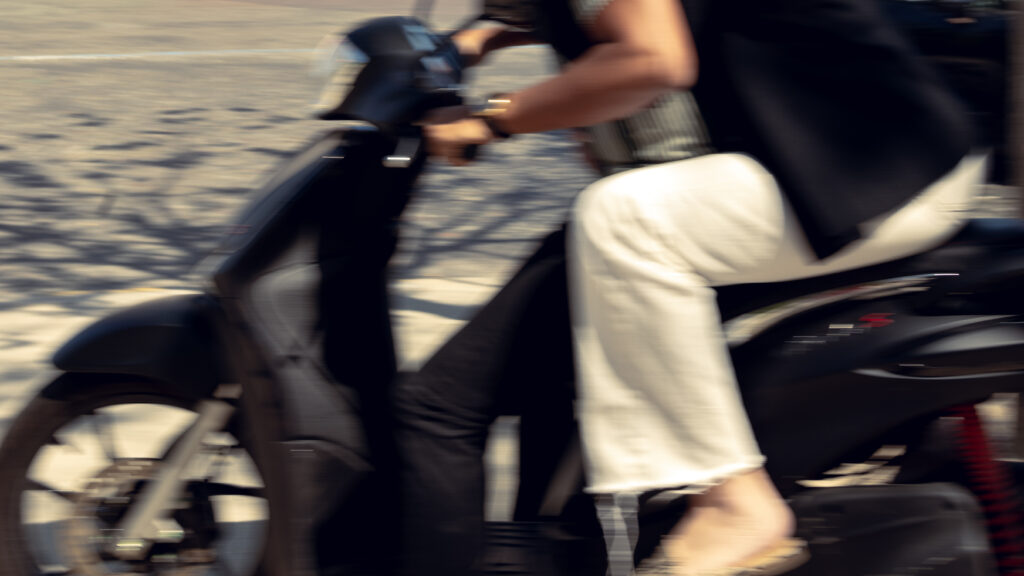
(659, 404)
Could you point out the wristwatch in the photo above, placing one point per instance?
(489, 111)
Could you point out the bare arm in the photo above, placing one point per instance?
(645, 50)
(475, 44)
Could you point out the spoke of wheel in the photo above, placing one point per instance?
(37, 485)
(101, 426)
(64, 443)
(224, 489)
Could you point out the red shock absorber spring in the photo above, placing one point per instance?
(991, 483)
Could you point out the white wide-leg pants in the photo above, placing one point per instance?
(659, 406)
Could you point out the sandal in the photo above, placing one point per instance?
(781, 558)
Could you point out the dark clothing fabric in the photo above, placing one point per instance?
(832, 99)
(825, 93)
(513, 357)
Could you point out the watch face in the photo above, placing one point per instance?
(518, 13)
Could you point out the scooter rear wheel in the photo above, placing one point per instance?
(72, 464)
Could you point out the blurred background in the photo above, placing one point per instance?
(134, 129)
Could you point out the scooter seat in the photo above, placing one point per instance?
(978, 240)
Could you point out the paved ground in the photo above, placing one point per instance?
(134, 129)
(134, 134)
(123, 163)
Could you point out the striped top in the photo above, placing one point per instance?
(669, 129)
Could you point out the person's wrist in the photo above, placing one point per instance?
(491, 112)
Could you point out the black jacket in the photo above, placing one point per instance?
(826, 94)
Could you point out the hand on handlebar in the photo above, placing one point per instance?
(451, 133)
(472, 45)
(475, 44)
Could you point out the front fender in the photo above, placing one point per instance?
(173, 340)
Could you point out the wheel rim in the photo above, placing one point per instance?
(76, 481)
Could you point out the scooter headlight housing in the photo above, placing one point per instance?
(388, 72)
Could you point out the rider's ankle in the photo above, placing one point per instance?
(731, 522)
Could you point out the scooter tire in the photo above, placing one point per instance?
(33, 430)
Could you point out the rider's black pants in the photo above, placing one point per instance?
(513, 357)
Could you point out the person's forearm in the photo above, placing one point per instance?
(476, 43)
(609, 82)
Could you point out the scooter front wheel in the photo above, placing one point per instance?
(75, 462)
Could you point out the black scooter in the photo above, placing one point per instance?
(264, 463)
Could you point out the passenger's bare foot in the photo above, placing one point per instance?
(730, 523)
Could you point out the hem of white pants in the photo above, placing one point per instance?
(689, 483)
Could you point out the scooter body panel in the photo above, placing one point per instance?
(172, 340)
(305, 279)
(304, 286)
(878, 350)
